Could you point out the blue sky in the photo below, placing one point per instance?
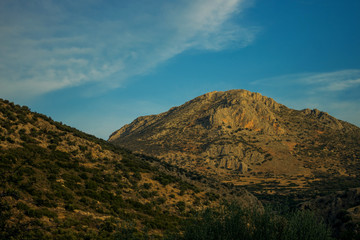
(97, 65)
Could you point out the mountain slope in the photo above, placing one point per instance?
(249, 139)
(58, 182)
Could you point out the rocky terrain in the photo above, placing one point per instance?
(248, 139)
(59, 183)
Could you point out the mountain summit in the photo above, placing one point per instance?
(240, 135)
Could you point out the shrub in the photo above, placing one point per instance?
(232, 222)
(22, 206)
(164, 179)
(160, 200)
(148, 194)
(69, 207)
(92, 185)
(305, 225)
(147, 185)
(181, 206)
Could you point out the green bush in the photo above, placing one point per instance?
(148, 194)
(232, 222)
(164, 179)
(92, 185)
(22, 206)
(147, 186)
(181, 206)
(305, 225)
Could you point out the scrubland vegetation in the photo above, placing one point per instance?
(232, 222)
(57, 182)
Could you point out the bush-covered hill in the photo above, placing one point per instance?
(57, 182)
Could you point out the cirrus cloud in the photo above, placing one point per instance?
(50, 45)
(336, 92)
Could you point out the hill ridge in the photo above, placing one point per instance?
(57, 182)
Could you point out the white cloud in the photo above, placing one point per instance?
(50, 45)
(328, 81)
(332, 81)
(335, 92)
(341, 86)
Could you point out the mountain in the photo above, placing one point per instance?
(60, 183)
(248, 139)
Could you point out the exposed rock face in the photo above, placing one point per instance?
(247, 133)
(231, 109)
(211, 116)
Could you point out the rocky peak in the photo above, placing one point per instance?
(230, 109)
(237, 109)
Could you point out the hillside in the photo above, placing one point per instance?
(250, 140)
(60, 183)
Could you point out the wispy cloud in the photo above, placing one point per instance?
(328, 81)
(335, 92)
(332, 81)
(50, 45)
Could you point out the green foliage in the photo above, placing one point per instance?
(305, 225)
(147, 186)
(232, 222)
(212, 196)
(62, 192)
(134, 164)
(90, 184)
(42, 201)
(165, 179)
(181, 206)
(160, 200)
(148, 194)
(129, 233)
